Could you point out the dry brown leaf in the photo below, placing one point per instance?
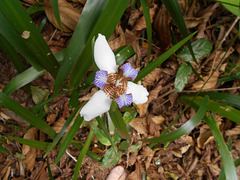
(161, 25)
(68, 14)
(192, 22)
(57, 126)
(152, 78)
(137, 174)
(153, 128)
(207, 13)
(214, 168)
(132, 158)
(141, 23)
(7, 173)
(148, 154)
(234, 132)
(119, 41)
(209, 85)
(158, 119)
(28, 151)
(140, 125)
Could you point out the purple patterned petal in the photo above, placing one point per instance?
(124, 100)
(100, 79)
(129, 71)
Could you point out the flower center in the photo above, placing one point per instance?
(116, 85)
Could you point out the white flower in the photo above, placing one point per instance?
(114, 85)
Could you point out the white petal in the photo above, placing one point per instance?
(103, 55)
(97, 105)
(139, 93)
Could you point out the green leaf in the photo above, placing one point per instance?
(26, 114)
(222, 174)
(200, 47)
(62, 131)
(81, 35)
(110, 158)
(232, 5)
(100, 135)
(146, 14)
(82, 155)
(219, 108)
(157, 62)
(23, 25)
(22, 79)
(182, 77)
(117, 120)
(174, 10)
(49, 171)
(32, 143)
(10, 51)
(56, 12)
(66, 141)
(230, 99)
(35, 8)
(128, 117)
(185, 128)
(105, 25)
(39, 95)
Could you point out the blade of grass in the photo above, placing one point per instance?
(105, 25)
(157, 62)
(222, 174)
(49, 171)
(80, 37)
(146, 14)
(185, 128)
(66, 141)
(20, 21)
(63, 130)
(176, 14)
(219, 108)
(82, 155)
(32, 143)
(26, 114)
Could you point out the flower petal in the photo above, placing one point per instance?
(129, 71)
(100, 79)
(138, 92)
(103, 55)
(97, 105)
(124, 100)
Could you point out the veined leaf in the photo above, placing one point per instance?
(182, 77)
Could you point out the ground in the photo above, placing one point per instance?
(193, 156)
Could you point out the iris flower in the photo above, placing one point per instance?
(114, 83)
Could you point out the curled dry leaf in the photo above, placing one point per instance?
(161, 25)
(68, 15)
(140, 125)
(28, 151)
(147, 153)
(209, 85)
(152, 78)
(233, 132)
(119, 41)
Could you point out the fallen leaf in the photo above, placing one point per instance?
(28, 151)
(68, 15)
(140, 125)
(233, 132)
(209, 85)
(147, 153)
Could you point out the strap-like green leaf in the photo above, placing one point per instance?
(82, 155)
(88, 19)
(66, 141)
(105, 25)
(27, 115)
(56, 12)
(219, 108)
(32, 143)
(184, 129)
(23, 25)
(157, 62)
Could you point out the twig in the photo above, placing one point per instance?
(71, 156)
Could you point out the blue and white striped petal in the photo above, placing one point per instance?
(129, 71)
(100, 79)
(124, 100)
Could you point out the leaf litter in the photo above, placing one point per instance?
(192, 156)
